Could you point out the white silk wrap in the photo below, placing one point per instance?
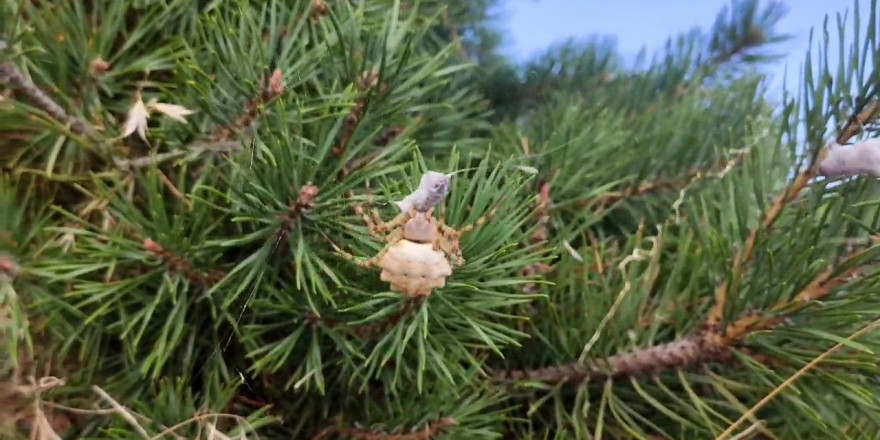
(432, 190)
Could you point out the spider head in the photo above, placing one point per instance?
(419, 228)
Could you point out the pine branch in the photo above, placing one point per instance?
(182, 266)
(381, 327)
(541, 234)
(427, 432)
(304, 203)
(373, 329)
(9, 267)
(453, 29)
(222, 139)
(269, 91)
(685, 352)
(744, 255)
(668, 184)
(366, 83)
(800, 373)
(705, 347)
(10, 72)
(820, 286)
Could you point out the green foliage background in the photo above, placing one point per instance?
(663, 181)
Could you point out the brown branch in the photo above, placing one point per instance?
(430, 430)
(10, 72)
(540, 236)
(744, 255)
(453, 30)
(304, 203)
(688, 351)
(871, 112)
(367, 81)
(382, 141)
(182, 266)
(818, 288)
(388, 136)
(218, 146)
(271, 90)
(351, 122)
(319, 9)
(707, 346)
(173, 189)
(371, 329)
(9, 267)
(221, 139)
(665, 183)
(358, 162)
(381, 327)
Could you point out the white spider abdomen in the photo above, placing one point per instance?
(414, 269)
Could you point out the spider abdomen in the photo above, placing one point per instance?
(414, 269)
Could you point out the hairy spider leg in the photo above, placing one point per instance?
(446, 243)
(371, 217)
(392, 238)
(452, 232)
(448, 238)
(375, 224)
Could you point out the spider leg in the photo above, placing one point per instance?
(449, 236)
(449, 230)
(375, 217)
(376, 225)
(396, 222)
(371, 217)
(352, 258)
(447, 242)
(392, 238)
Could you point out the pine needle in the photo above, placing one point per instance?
(788, 382)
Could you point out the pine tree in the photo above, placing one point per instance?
(656, 251)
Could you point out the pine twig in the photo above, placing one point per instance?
(217, 146)
(269, 91)
(820, 286)
(10, 72)
(371, 329)
(382, 141)
(182, 266)
(871, 112)
(690, 351)
(788, 382)
(9, 267)
(744, 255)
(683, 352)
(391, 320)
(122, 411)
(304, 202)
(541, 234)
(430, 430)
(367, 81)
(221, 139)
(453, 30)
(664, 184)
(707, 346)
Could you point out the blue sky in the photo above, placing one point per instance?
(532, 25)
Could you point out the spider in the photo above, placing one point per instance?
(419, 251)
